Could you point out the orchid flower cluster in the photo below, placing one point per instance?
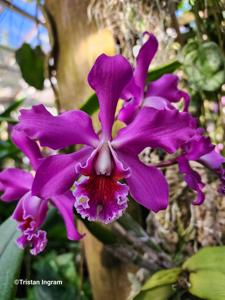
(97, 179)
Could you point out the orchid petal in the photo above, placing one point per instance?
(30, 213)
(108, 77)
(167, 87)
(31, 207)
(212, 160)
(100, 198)
(133, 93)
(144, 58)
(56, 132)
(56, 173)
(168, 129)
(193, 179)
(158, 103)
(65, 203)
(29, 147)
(197, 147)
(147, 184)
(14, 183)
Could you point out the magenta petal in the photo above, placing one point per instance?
(147, 184)
(108, 77)
(197, 147)
(100, 198)
(133, 93)
(29, 147)
(56, 132)
(129, 110)
(144, 58)
(193, 179)
(56, 173)
(167, 87)
(30, 207)
(30, 213)
(212, 160)
(39, 242)
(157, 103)
(64, 204)
(14, 183)
(167, 129)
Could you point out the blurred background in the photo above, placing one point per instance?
(46, 51)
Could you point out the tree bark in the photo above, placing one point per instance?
(78, 43)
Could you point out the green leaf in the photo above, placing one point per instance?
(159, 286)
(211, 258)
(207, 284)
(165, 69)
(207, 273)
(91, 105)
(163, 277)
(12, 107)
(10, 259)
(204, 65)
(32, 65)
(8, 119)
(59, 267)
(158, 293)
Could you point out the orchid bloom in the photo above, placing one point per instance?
(106, 168)
(31, 211)
(158, 94)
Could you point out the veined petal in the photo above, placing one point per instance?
(108, 77)
(144, 58)
(65, 203)
(28, 146)
(56, 174)
(167, 129)
(147, 184)
(14, 183)
(57, 132)
(193, 179)
(100, 198)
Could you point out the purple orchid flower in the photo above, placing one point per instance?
(107, 168)
(31, 211)
(158, 94)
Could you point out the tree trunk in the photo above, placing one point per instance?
(77, 43)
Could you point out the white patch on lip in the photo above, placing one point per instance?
(104, 164)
